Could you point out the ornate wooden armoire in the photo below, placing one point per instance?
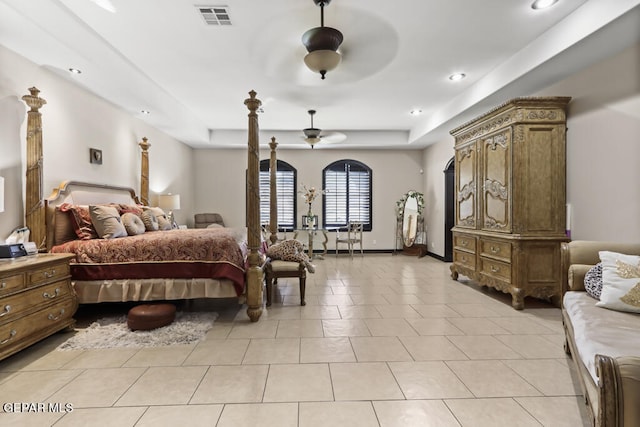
(510, 178)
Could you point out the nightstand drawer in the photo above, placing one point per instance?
(50, 273)
(464, 258)
(11, 284)
(496, 249)
(464, 242)
(17, 305)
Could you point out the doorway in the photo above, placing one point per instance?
(449, 209)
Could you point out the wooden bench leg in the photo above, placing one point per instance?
(303, 284)
(269, 285)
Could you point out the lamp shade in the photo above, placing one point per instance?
(322, 60)
(169, 202)
(1, 194)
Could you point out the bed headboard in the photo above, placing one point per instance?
(83, 193)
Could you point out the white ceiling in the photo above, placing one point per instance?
(160, 56)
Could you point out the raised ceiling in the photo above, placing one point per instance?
(162, 56)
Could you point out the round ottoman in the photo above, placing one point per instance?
(150, 316)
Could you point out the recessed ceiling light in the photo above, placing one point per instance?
(457, 76)
(74, 71)
(542, 4)
(415, 112)
(145, 112)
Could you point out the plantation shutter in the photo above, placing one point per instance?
(347, 186)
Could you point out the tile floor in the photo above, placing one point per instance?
(383, 341)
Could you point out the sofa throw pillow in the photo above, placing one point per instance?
(133, 224)
(150, 221)
(593, 281)
(107, 221)
(620, 282)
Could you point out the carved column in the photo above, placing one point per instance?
(254, 273)
(34, 202)
(273, 194)
(144, 171)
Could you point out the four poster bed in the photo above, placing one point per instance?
(146, 266)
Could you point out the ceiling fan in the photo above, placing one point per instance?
(314, 135)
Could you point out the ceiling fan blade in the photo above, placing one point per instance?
(333, 137)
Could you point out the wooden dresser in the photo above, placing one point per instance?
(510, 198)
(36, 300)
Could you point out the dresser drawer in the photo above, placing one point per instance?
(464, 242)
(11, 284)
(496, 269)
(50, 318)
(465, 259)
(17, 305)
(50, 273)
(496, 249)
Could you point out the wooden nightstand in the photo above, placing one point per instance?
(36, 300)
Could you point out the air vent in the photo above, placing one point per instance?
(215, 15)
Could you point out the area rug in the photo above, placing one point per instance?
(112, 332)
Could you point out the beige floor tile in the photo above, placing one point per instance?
(345, 328)
(523, 325)
(379, 349)
(160, 356)
(219, 331)
(103, 358)
(37, 358)
(473, 309)
(218, 352)
(557, 411)
(275, 350)
(477, 326)
(111, 383)
(29, 419)
(549, 376)
(403, 299)
(428, 380)
(432, 348)
(406, 413)
(232, 384)
(163, 386)
(281, 312)
(363, 381)
(483, 347)
(359, 312)
(398, 311)
(317, 350)
(259, 414)
(320, 312)
(300, 328)
(175, 415)
(323, 414)
(335, 300)
(371, 299)
(435, 310)
(108, 417)
(491, 379)
(532, 346)
(36, 386)
(491, 413)
(262, 329)
(434, 326)
(390, 328)
(298, 383)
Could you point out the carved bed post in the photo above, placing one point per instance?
(273, 194)
(34, 201)
(144, 172)
(254, 272)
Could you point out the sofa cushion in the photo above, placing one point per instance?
(593, 281)
(620, 282)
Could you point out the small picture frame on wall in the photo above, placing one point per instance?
(95, 156)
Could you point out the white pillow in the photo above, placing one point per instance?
(620, 282)
(107, 222)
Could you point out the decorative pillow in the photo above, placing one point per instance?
(107, 222)
(133, 224)
(214, 225)
(149, 220)
(64, 228)
(123, 209)
(620, 282)
(81, 219)
(163, 220)
(593, 281)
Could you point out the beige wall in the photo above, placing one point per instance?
(73, 121)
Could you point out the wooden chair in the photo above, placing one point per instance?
(353, 236)
(275, 269)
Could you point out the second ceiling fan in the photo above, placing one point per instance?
(313, 135)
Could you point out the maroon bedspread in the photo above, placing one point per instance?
(194, 253)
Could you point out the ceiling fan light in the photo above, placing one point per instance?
(312, 133)
(312, 141)
(321, 61)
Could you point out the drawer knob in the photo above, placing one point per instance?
(495, 250)
(3, 285)
(53, 317)
(51, 296)
(11, 335)
(494, 269)
(49, 274)
(464, 259)
(465, 243)
(7, 309)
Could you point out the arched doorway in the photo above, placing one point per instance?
(449, 210)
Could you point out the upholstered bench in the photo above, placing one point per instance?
(275, 269)
(150, 316)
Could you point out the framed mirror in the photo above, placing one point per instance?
(410, 221)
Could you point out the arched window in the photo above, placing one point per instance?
(347, 185)
(286, 176)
